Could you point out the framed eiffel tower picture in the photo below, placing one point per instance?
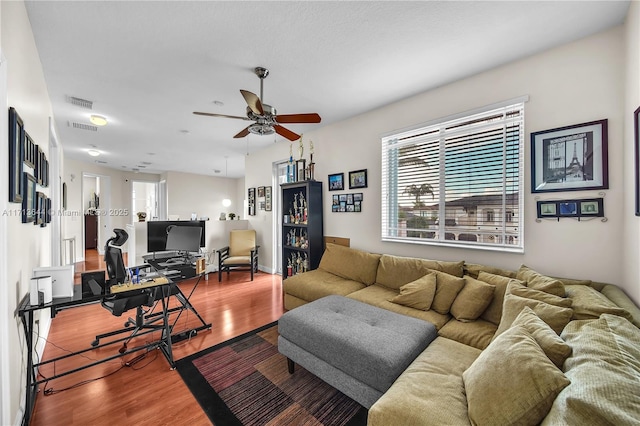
(570, 158)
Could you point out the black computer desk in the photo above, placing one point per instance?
(26, 313)
(178, 272)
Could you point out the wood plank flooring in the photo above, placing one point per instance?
(147, 392)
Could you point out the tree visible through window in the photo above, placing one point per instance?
(456, 181)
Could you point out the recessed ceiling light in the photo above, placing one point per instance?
(98, 120)
(93, 152)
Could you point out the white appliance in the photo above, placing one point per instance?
(61, 279)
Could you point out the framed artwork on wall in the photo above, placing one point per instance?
(29, 201)
(582, 208)
(29, 155)
(336, 182)
(251, 201)
(16, 155)
(570, 158)
(358, 179)
(267, 198)
(636, 132)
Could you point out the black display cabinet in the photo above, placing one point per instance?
(302, 230)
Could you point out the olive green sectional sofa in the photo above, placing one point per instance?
(513, 347)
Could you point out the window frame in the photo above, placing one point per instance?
(507, 216)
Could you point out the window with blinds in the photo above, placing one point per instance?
(458, 181)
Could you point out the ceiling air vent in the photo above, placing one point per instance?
(83, 126)
(83, 103)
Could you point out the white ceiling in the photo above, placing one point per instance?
(148, 65)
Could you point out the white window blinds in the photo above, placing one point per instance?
(457, 182)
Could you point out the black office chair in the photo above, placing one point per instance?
(117, 304)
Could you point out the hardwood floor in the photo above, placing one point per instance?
(147, 392)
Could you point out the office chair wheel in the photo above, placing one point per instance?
(95, 343)
(127, 324)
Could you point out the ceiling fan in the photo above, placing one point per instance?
(267, 121)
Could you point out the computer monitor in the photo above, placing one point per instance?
(184, 239)
(157, 233)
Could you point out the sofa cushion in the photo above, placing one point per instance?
(472, 300)
(395, 271)
(350, 263)
(589, 303)
(620, 298)
(379, 296)
(474, 269)
(540, 282)
(319, 283)
(417, 294)
(553, 346)
(493, 313)
(604, 370)
(430, 390)
(447, 288)
(512, 381)
(557, 317)
(476, 334)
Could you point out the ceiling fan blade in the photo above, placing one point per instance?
(298, 118)
(209, 114)
(286, 133)
(244, 132)
(253, 101)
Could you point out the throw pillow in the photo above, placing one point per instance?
(417, 294)
(474, 269)
(589, 303)
(530, 293)
(553, 346)
(349, 263)
(472, 300)
(604, 370)
(512, 382)
(540, 282)
(447, 288)
(557, 317)
(493, 313)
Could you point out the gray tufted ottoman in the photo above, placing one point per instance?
(357, 348)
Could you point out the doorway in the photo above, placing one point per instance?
(96, 205)
(279, 177)
(144, 200)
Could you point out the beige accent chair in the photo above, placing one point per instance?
(240, 255)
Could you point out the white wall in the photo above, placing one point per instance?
(630, 249)
(29, 245)
(575, 83)
(203, 195)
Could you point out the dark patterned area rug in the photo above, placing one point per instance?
(244, 381)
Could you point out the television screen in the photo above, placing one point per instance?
(184, 238)
(157, 232)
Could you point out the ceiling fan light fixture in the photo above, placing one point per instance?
(261, 129)
(98, 120)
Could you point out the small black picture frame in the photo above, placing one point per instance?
(267, 198)
(40, 208)
(358, 179)
(261, 192)
(16, 155)
(336, 182)
(636, 124)
(29, 200)
(29, 156)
